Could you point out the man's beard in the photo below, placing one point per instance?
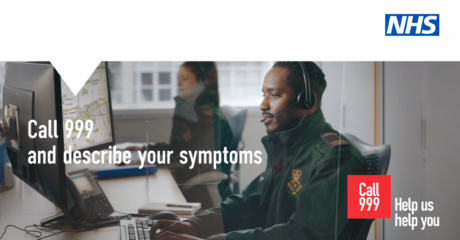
(292, 123)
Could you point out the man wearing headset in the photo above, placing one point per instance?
(303, 192)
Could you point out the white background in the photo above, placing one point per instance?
(75, 36)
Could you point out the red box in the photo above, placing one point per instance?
(369, 196)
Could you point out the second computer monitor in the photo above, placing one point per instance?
(93, 104)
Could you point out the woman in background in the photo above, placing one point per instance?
(198, 125)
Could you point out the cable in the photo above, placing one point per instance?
(301, 120)
(57, 226)
(88, 228)
(90, 224)
(31, 233)
(84, 230)
(55, 215)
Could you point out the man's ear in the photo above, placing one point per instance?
(314, 99)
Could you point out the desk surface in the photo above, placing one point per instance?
(23, 206)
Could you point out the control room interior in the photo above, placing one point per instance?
(413, 106)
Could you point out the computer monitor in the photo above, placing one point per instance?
(91, 103)
(37, 91)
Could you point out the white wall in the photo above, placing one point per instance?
(416, 91)
(403, 113)
(349, 97)
(442, 113)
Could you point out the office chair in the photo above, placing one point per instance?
(237, 120)
(377, 157)
(377, 160)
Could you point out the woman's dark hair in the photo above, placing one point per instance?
(206, 73)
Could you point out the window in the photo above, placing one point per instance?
(153, 85)
(147, 87)
(165, 78)
(240, 83)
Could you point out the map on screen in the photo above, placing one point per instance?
(91, 103)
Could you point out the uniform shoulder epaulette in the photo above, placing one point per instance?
(334, 139)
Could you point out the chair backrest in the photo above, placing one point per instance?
(236, 119)
(377, 157)
(377, 160)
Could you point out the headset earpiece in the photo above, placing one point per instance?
(304, 100)
(303, 103)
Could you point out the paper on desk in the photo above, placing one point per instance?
(124, 145)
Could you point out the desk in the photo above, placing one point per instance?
(22, 206)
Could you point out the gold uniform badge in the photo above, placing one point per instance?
(188, 135)
(295, 183)
(207, 110)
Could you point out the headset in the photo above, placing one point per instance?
(305, 100)
(310, 99)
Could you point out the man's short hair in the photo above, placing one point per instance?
(296, 81)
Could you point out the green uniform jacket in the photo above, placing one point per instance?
(301, 195)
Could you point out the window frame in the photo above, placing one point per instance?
(132, 81)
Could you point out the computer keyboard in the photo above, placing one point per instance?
(136, 229)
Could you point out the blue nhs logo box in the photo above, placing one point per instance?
(411, 24)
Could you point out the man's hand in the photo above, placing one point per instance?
(174, 236)
(175, 227)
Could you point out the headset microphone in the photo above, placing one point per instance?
(272, 115)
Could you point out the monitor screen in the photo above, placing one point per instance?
(82, 183)
(91, 103)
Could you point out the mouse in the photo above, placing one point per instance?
(165, 215)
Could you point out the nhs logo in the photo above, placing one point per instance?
(411, 24)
